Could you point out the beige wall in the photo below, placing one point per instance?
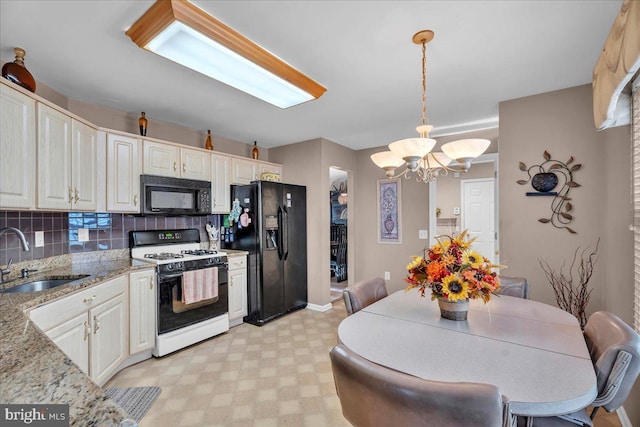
(562, 123)
(307, 163)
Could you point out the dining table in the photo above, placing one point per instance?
(533, 352)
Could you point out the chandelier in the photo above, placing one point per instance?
(415, 153)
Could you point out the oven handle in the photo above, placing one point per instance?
(169, 276)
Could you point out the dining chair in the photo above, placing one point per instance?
(614, 348)
(372, 395)
(514, 287)
(364, 293)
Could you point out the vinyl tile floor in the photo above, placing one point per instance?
(275, 375)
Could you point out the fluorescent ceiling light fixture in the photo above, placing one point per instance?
(182, 32)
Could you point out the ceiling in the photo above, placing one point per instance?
(483, 52)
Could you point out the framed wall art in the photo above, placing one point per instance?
(389, 211)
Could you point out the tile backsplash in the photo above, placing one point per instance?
(106, 231)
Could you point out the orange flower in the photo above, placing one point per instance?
(435, 271)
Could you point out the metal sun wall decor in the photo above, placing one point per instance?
(544, 179)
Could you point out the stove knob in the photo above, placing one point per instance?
(170, 266)
(210, 261)
(179, 265)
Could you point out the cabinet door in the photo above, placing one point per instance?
(109, 342)
(160, 159)
(123, 173)
(195, 164)
(243, 171)
(72, 337)
(220, 187)
(142, 311)
(84, 154)
(54, 159)
(18, 149)
(237, 293)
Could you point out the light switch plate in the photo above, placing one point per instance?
(387, 275)
(83, 234)
(39, 239)
(456, 211)
(423, 234)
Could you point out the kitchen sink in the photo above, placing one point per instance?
(41, 285)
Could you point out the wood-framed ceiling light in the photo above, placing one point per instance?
(182, 32)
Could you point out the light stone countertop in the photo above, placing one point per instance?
(33, 370)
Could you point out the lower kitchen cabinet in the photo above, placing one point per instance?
(237, 289)
(142, 311)
(91, 327)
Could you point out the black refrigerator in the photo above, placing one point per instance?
(273, 228)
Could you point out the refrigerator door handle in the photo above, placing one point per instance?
(280, 230)
(285, 233)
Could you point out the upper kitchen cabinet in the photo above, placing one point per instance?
(67, 156)
(124, 164)
(220, 189)
(170, 160)
(243, 171)
(17, 149)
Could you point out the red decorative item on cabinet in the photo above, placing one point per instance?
(17, 73)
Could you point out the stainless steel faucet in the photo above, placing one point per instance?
(25, 247)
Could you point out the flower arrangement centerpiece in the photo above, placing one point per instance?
(454, 273)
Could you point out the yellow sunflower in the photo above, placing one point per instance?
(448, 260)
(460, 240)
(455, 287)
(417, 260)
(473, 258)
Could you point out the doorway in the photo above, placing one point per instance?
(478, 218)
(339, 203)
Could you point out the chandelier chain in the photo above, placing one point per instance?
(424, 82)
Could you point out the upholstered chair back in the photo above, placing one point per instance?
(364, 293)
(374, 396)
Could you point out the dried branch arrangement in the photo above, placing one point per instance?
(570, 286)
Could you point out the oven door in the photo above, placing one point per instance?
(173, 314)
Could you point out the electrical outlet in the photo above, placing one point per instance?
(39, 239)
(423, 234)
(83, 234)
(387, 275)
(456, 211)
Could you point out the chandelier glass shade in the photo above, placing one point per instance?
(416, 154)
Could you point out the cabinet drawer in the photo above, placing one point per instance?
(236, 263)
(67, 307)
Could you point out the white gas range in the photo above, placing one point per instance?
(176, 253)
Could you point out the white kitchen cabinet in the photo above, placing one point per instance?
(84, 158)
(195, 164)
(124, 164)
(221, 189)
(142, 311)
(17, 149)
(109, 344)
(170, 160)
(72, 337)
(67, 157)
(269, 168)
(54, 159)
(237, 289)
(90, 326)
(243, 171)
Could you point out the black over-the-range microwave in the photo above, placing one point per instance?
(162, 195)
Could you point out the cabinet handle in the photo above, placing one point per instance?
(77, 197)
(151, 283)
(175, 166)
(135, 200)
(184, 167)
(214, 202)
(70, 195)
(87, 330)
(96, 324)
(88, 300)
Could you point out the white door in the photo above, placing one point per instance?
(72, 337)
(478, 214)
(195, 164)
(54, 159)
(160, 159)
(142, 311)
(220, 184)
(123, 173)
(109, 342)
